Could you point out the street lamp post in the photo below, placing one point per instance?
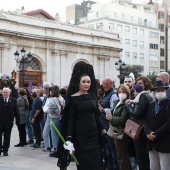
(119, 65)
(26, 58)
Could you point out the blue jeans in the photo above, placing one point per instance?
(112, 163)
(54, 135)
(28, 127)
(46, 133)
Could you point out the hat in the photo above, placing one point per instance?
(138, 88)
(159, 84)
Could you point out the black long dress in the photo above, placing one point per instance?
(84, 126)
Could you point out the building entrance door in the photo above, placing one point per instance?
(33, 74)
(34, 77)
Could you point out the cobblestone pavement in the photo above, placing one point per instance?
(24, 158)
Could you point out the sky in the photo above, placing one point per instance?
(50, 6)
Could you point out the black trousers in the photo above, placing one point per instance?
(22, 133)
(142, 155)
(37, 130)
(5, 135)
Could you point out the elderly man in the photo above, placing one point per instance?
(164, 76)
(8, 109)
(105, 106)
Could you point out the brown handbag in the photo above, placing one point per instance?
(133, 129)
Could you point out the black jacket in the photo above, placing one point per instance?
(139, 111)
(8, 112)
(159, 124)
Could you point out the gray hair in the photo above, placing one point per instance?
(6, 88)
(47, 85)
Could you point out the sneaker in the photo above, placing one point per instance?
(36, 146)
(53, 153)
(46, 150)
(30, 142)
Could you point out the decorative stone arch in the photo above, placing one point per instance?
(33, 73)
(79, 60)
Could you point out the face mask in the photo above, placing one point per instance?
(34, 95)
(122, 96)
(160, 95)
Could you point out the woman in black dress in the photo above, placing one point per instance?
(83, 127)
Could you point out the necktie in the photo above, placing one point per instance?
(5, 100)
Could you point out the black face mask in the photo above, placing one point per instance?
(34, 95)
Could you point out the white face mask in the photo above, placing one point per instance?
(122, 96)
(160, 95)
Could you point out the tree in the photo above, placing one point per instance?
(152, 77)
(135, 69)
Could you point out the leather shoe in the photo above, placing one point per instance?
(5, 153)
(19, 145)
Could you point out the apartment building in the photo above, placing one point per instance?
(137, 27)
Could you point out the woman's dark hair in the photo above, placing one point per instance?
(55, 91)
(62, 91)
(22, 92)
(146, 81)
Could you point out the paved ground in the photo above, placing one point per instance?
(24, 158)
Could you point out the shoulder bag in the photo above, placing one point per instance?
(115, 132)
(133, 129)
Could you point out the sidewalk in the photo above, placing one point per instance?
(24, 158)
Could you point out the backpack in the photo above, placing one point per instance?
(26, 103)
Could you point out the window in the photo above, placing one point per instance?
(134, 30)
(115, 14)
(119, 28)
(141, 56)
(162, 40)
(162, 65)
(91, 26)
(127, 29)
(145, 22)
(161, 27)
(34, 64)
(142, 68)
(141, 44)
(150, 23)
(141, 32)
(127, 54)
(127, 41)
(134, 55)
(131, 18)
(154, 46)
(154, 35)
(111, 26)
(162, 52)
(153, 58)
(139, 21)
(134, 43)
(160, 14)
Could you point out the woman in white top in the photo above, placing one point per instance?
(54, 108)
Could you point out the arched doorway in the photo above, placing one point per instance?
(33, 73)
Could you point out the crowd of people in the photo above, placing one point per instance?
(87, 114)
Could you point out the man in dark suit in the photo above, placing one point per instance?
(8, 110)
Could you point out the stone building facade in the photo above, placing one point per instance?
(55, 47)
